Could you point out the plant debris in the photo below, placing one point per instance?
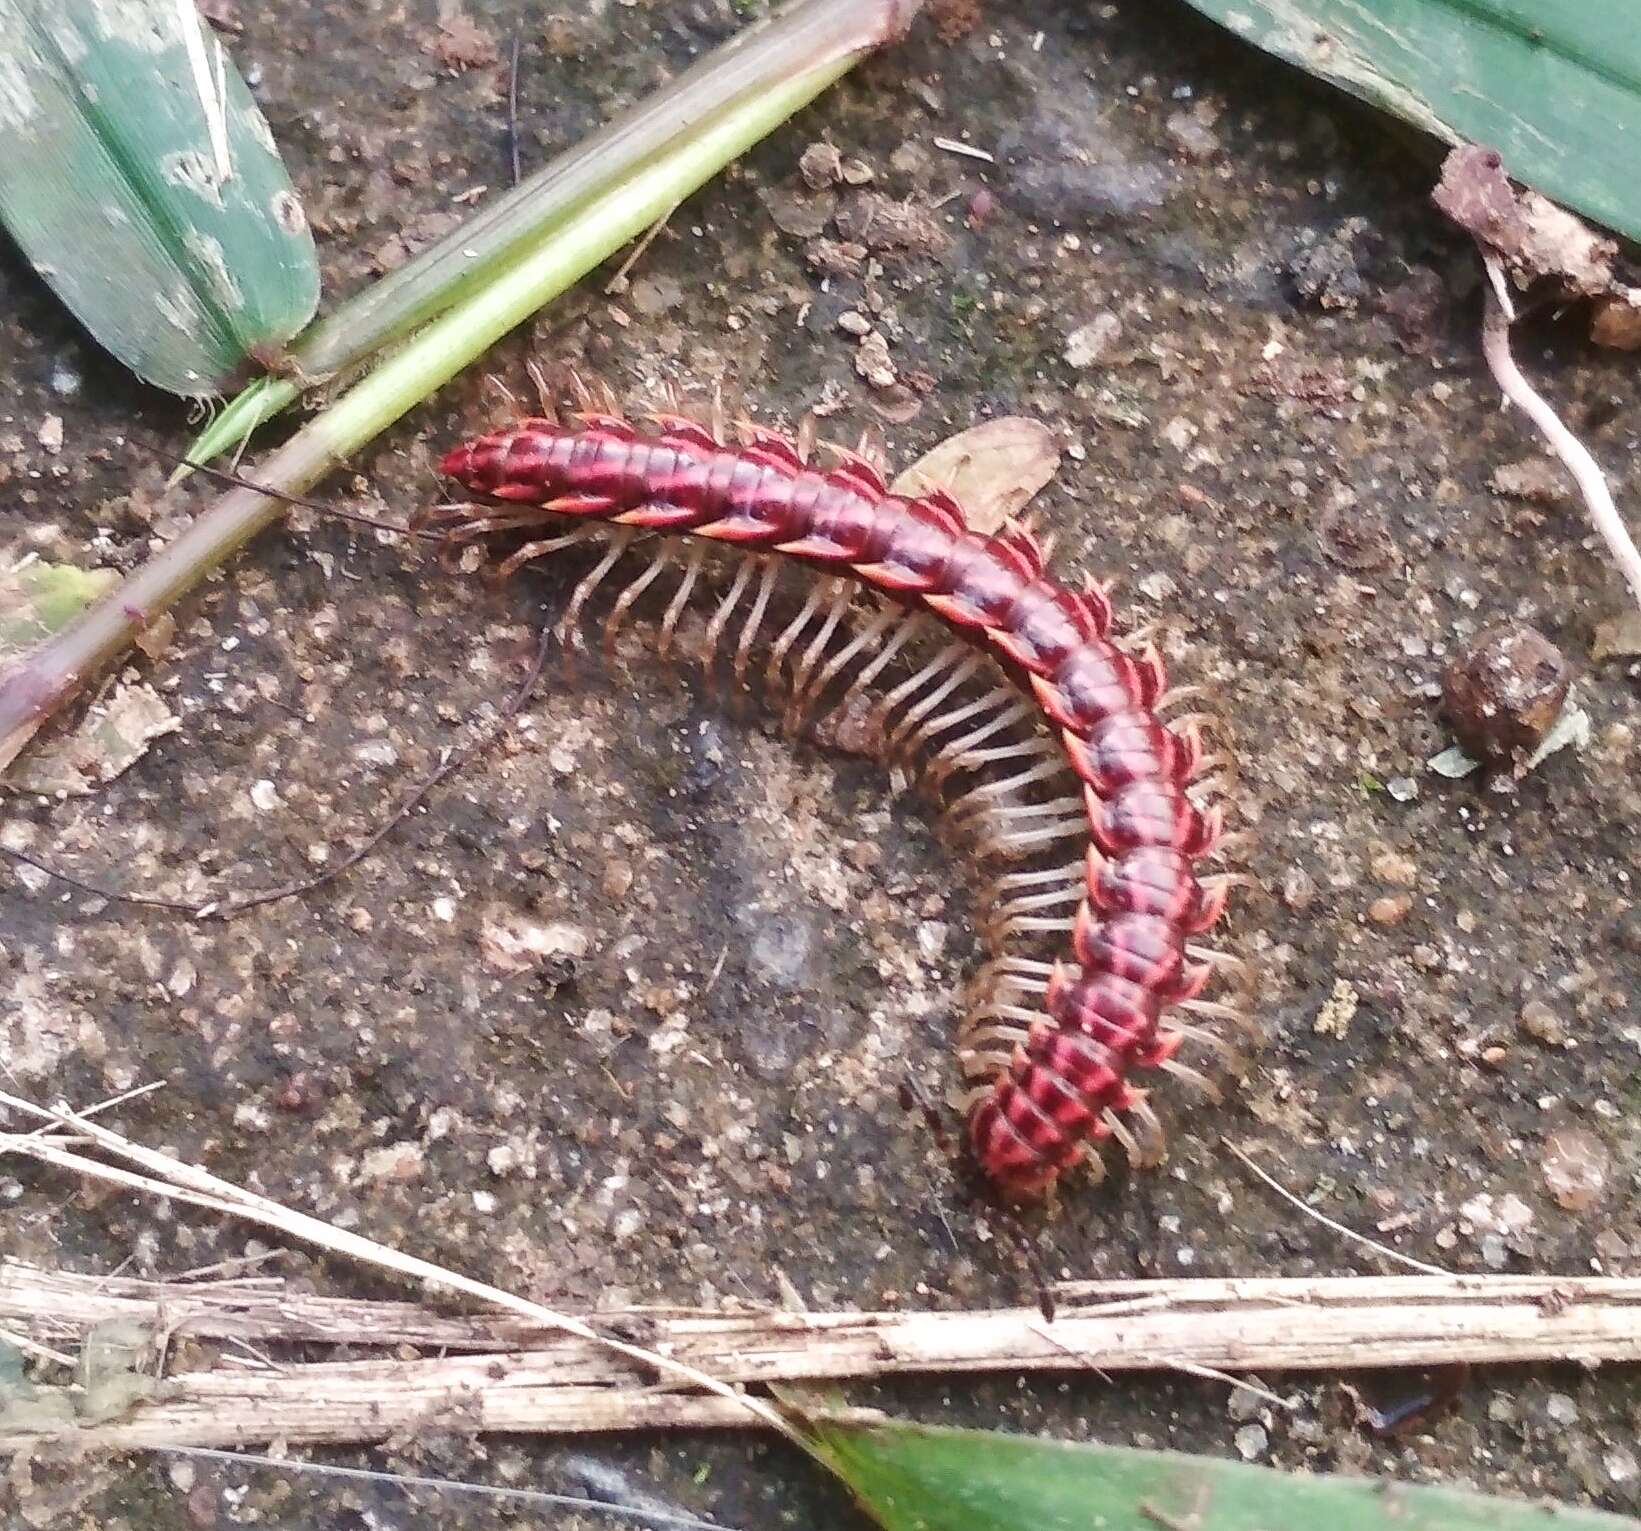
(1532, 236)
(995, 469)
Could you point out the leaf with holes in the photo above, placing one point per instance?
(141, 180)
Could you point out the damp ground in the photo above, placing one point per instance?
(1226, 293)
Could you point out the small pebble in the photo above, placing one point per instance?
(1394, 868)
(1561, 1409)
(1542, 1023)
(821, 165)
(1504, 690)
(1298, 889)
(1252, 1442)
(1575, 1167)
(1390, 911)
(1094, 341)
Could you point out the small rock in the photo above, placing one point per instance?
(853, 322)
(617, 878)
(1575, 1166)
(1533, 478)
(1505, 690)
(1252, 1442)
(393, 1162)
(873, 362)
(1331, 270)
(1620, 1464)
(1561, 1409)
(835, 257)
(1245, 1404)
(1334, 1018)
(1094, 341)
(1397, 870)
(1192, 135)
(801, 216)
(264, 796)
(1391, 910)
(821, 165)
(1617, 323)
(1298, 889)
(51, 434)
(1542, 1023)
(513, 943)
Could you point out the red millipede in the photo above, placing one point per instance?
(1055, 1075)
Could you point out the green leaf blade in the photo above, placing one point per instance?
(927, 1478)
(1555, 88)
(143, 183)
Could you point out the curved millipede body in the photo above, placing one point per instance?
(1052, 1045)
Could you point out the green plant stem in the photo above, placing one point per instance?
(802, 36)
(41, 684)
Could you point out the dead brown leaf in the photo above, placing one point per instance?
(994, 468)
(112, 737)
(460, 41)
(1532, 236)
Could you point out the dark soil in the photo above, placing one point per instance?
(1281, 446)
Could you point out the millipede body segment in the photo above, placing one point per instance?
(1053, 1045)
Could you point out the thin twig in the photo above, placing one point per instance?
(33, 1348)
(618, 283)
(562, 1384)
(513, 153)
(136, 1092)
(1328, 1222)
(322, 507)
(231, 908)
(1586, 471)
(172, 1179)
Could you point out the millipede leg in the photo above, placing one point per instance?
(788, 636)
(568, 630)
(628, 598)
(1037, 748)
(894, 737)
(749, 629)
(720, 619)
(905, 629)
(1018, 841)
(953, 755)
(843, 595)
(979, 799)
(533, 550)
(923, 722)
(867, 638)
(695, 560)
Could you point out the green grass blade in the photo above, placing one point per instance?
(142, 182)
(1555, 88)
(924, 1478)
(727, 83)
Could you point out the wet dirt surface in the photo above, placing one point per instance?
(1227, 293)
